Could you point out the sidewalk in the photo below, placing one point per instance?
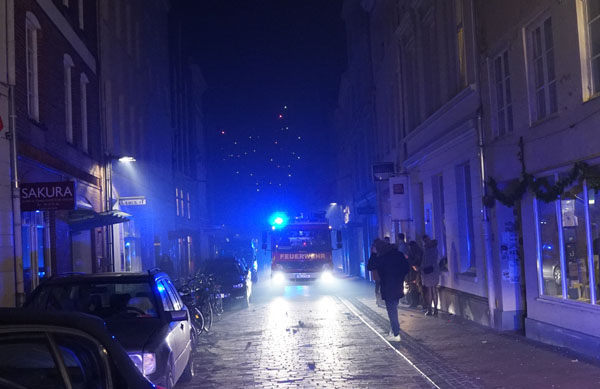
(495, 359)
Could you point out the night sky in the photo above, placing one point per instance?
(272, 69)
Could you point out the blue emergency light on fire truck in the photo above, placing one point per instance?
(300, 248)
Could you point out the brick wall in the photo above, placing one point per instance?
(49, 133)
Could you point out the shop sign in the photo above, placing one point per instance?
(134, 200)
(382, 171)
(47, 196)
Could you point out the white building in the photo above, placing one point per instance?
(541, 84)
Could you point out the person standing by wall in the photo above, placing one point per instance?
(392, 268)
(402, 245)
(375, 275)
(430, 275)
(415, 257)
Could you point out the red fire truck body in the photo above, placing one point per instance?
(301, 251)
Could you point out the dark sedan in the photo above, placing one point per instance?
(142, 310)
(235, 279)
(68, 350)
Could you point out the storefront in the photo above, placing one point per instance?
(62, 229)
(563, 282)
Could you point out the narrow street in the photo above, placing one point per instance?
(335, 338)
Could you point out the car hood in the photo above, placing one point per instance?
(134, 335)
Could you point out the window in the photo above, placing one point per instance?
(502, 99)
(137, 44)
(465, 218)
(569, 243)
(26, 361)
(129, 29)
(188, 206)
(108, 114)
(175, 299)
(439, 212)
(181, 203)
(32, 26)
(83, 81)
(105, 9)
(164, 296)
(410, 83)
(541, 74)
(177, 200)
(118, 21)
(67, 65)
(461, 54)
(80, 12)
(589, 44)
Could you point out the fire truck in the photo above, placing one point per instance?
(300, 249)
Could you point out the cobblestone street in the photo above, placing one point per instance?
(309, 338)
(335, 338)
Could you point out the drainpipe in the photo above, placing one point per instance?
(12, 127)
(487, 228)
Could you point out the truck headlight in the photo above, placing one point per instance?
(278, 278)
(327, 277)
(145, 362)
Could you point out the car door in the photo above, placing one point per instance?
(173, 338)
(179, 332)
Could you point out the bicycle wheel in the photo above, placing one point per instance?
(198, 320)
(207, 313)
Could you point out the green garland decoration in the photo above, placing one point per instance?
(541, 186)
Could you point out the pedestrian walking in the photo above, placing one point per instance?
(430, 275)
(375, 276)
(415, 258)
(392, 268)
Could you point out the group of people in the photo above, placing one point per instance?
(393, 264)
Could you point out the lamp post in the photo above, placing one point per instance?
(108, 203)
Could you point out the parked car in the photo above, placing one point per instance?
(551, 264)
(66, 350)
(235, 279)
(142, 310)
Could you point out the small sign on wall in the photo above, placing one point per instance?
(137, 200)
(399, 199)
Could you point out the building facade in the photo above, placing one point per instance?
(152, 112)
(135, 84)
(354, 212)
(7, 75)
(488, 111)
(57, 139)
(540, 86)
(190, 236)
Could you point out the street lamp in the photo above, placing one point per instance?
(108, 204)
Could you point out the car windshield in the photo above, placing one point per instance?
(105, 299)
(223, 268)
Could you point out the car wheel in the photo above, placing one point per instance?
(557, 275)
(188, 372)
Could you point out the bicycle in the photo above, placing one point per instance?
(189, 296)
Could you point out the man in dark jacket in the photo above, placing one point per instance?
(392, 268)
